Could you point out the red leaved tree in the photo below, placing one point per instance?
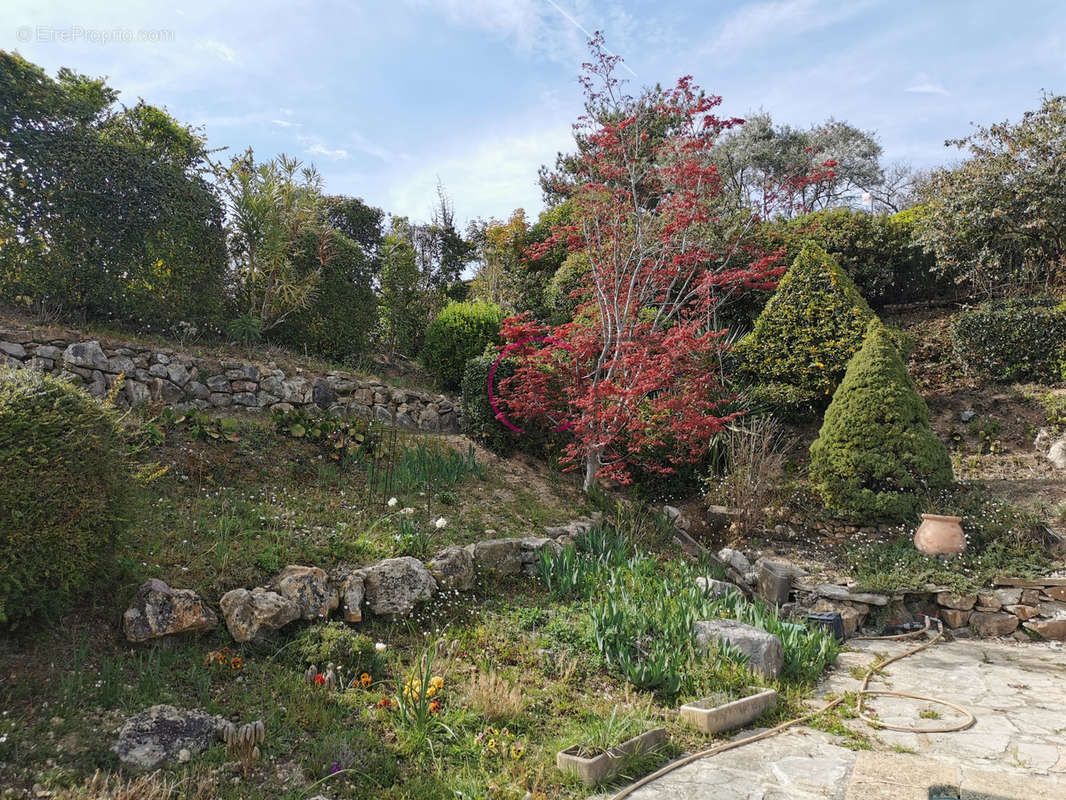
(636, 371)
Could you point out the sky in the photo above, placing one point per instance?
(386, 97)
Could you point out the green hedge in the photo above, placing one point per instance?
(478, 420)
(876, 456)
(1012, 340)
(63, 486)
(802, 341)
(877, 251)
(459, 332)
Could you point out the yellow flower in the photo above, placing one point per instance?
(365, 680)
(437, 682)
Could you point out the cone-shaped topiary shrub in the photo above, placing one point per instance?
(63, 483)
(876, 455)
(802, 341)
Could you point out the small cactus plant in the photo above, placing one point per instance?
(243, 742)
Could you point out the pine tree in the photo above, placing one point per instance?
(804, 338)
(876, 456)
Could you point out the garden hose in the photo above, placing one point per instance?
(863, 692)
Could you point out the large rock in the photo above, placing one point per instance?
(574, 528)
(988, 601)
(719, 518)
(963, 602)
(160, 611)
(352, 591)
(501, 556)
(158, 734)
(13, 349)
(1052, 609)
(954, 618)
(309, 588)
(736, 559)
(1021, 612)
(453, 568)
(1057, 453)
(716, 588)
(253, 614)
(832, 591)
(394, 587)
(531, 550)
(1048, 628)
(1009, 597)
(993, 623)
(322, 393)
(765, 653)
(86, 354)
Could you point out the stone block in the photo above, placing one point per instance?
(995, 623)
(764, 650)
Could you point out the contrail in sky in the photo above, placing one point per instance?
(578, 25)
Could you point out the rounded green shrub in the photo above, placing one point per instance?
(457, 334)
(63, 485)
(478, 420)
(336, 643)
(1021, 339)
(876, 456)
(804, 338)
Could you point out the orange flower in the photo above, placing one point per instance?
(236, 663)
(434, 707)
(320, 679)
(365, 680)
(384, 702)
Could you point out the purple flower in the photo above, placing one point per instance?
(334, 769)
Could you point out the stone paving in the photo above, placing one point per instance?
(1016, 750)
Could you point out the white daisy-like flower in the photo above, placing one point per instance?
(392, 502)
(381, 647)
(440, 523)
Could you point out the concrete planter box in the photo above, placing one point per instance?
(711, 715)
(599, 768)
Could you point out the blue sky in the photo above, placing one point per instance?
(385, 96)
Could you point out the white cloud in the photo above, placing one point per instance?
(285, 124)
(767, 22)
(924, 85)
(364, 145)
(550, 27)
(219, 49)
(319, 149)
(489, 179)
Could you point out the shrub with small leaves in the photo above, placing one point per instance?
(64, 480)
(457, 334)
(876, 456)
(337, 643)
(478, 419)
(804, 338)
(1022, 339)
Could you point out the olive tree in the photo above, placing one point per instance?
(997, 222)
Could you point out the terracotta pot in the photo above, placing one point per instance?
(939, 535)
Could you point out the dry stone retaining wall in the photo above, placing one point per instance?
(169, 377)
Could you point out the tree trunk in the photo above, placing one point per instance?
(592, 466)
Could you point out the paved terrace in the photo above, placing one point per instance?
(1015, 751)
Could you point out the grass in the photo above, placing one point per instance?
(226, 514)
(516, 666)
(1001, 540)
